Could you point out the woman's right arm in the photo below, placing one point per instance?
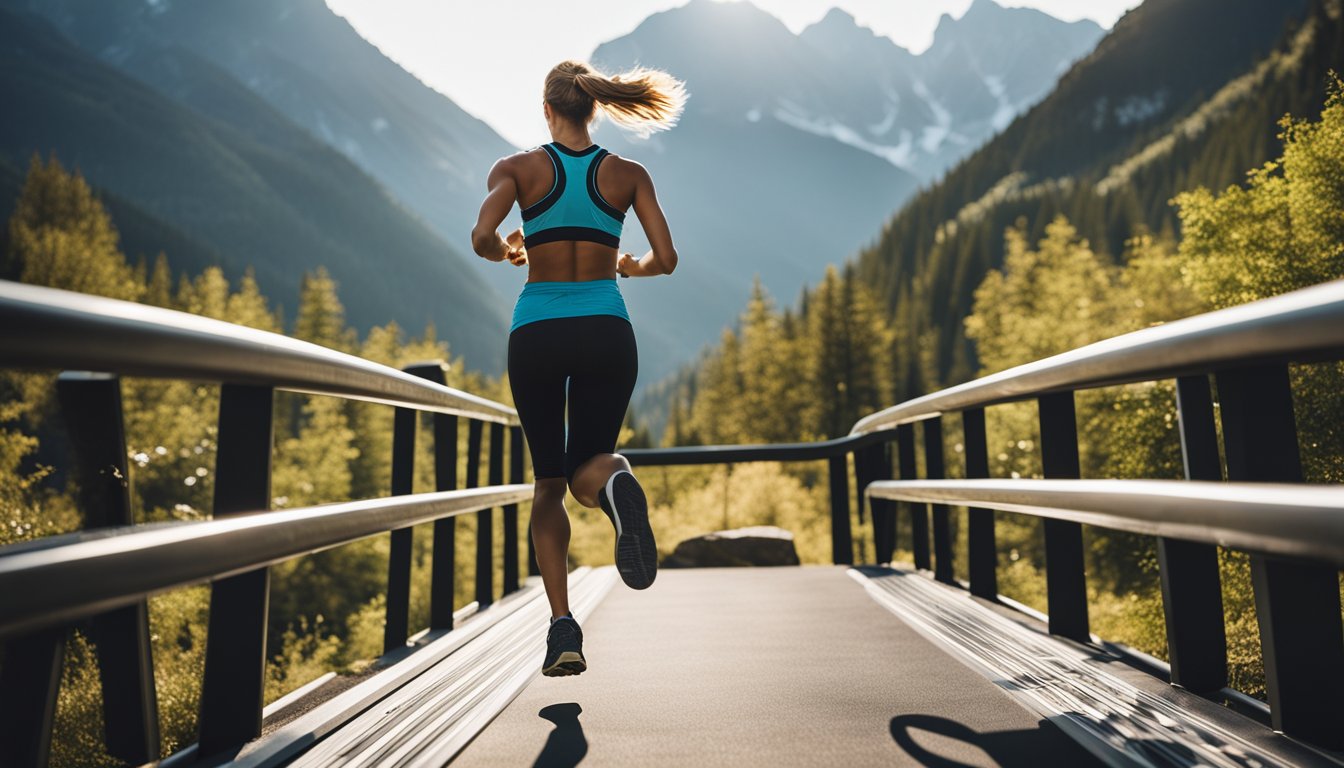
(662, 256)
(485, 239)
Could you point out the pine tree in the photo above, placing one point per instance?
(850, 352)
(61, 236)
(207, 295)
(321, 317)
(715, 418)
(762, 368)
(249, 307)
(159, 288)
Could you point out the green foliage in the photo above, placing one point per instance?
(848, 350)
(783, 376)
(78, 728)
(305, 654)
(1056, 291)
(60, 236)
(326, 609)
(321, 316)
(1284, 230)
(1112, 179)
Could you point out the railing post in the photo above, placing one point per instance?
(863, 475)
(1296, 603)
(30, 680)
(919, 515)
(91, 406)
(842, 546)
(396, 626)
(442, 570)
(1065, 579)
(1192, 596)
(485, 519)
(982, 555)
(441, 577)
(484, 575)
(942, 528)
(511, 512)
(881, 510)
(235, 651)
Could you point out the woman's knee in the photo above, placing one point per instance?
(549, 491)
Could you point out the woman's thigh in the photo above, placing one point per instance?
(606, 365)
(537, 372)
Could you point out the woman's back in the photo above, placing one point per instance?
(597, 202)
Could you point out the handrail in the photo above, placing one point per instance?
(736, 454)
(1296, 326)
(67, 577)
(50, 328)
(1300, 521)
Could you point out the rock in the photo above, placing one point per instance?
(759, 545)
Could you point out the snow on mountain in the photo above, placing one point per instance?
(982, 71)
(819, 135)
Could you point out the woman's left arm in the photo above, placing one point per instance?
(499, 200)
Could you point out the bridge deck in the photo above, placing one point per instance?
(772, 666)
(788, 666)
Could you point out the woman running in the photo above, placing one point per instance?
(571, 347)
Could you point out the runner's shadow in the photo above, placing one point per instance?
(566, 746)
(1027, 747)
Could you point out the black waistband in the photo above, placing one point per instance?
(582, 234)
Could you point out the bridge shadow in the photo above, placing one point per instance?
(1026, 747)
(566, 746)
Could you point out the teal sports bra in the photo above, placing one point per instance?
(573, 209)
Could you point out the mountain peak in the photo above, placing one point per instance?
(838, 30)
(839, 16)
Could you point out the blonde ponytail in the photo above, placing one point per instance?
(641, 101)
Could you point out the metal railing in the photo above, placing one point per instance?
(1294, 533)
(102, 575)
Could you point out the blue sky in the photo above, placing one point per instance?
(490, 56)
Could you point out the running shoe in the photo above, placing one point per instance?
(564, 649)
(636, 552)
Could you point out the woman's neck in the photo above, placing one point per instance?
(574, 137)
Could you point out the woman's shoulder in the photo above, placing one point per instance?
(624, 166)
(524, 161)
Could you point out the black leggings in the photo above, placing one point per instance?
(596, 356)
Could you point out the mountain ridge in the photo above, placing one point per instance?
(795, 139)
(1128, 95)
(280, 206)
(314, 68)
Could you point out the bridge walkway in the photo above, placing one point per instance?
(769, 667)
(772, 667)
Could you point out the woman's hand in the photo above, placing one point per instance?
(517, 251)
(628, 266)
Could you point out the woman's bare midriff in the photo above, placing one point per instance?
(570, 261)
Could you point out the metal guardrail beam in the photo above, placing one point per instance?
(741, 454)
(54, 329)
(1299, 521)
(63, 578)
(1298, 326)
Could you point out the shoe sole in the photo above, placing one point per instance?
(566, 664)
(636, 551)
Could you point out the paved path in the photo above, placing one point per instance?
(770, 667)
